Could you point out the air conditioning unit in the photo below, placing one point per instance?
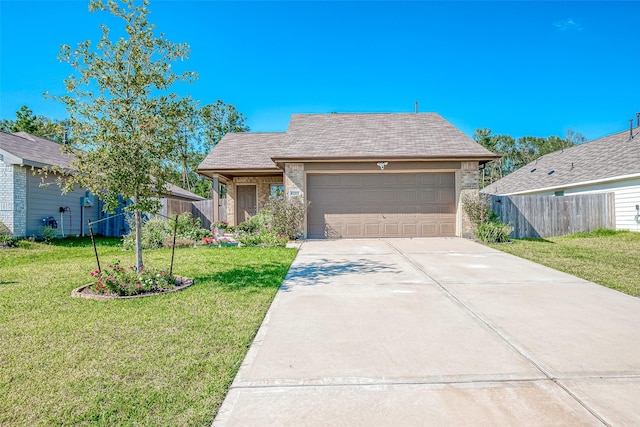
(87, 200)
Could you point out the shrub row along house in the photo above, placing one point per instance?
(364, 175)
(26, 205)
(606, 165)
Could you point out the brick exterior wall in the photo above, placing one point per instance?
(263, 185)
(6, 195)
(13, 198)
(294, 178)
(468, 185)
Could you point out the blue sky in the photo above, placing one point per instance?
(519, 68)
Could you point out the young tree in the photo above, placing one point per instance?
(123, 117)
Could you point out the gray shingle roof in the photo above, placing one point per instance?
(379, 135)
(174, 190)
(31, 150)
(605, 158)
(245, 150)
(346, 136)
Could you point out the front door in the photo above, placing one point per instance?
(247, 206)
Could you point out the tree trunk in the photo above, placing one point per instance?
(137, 215)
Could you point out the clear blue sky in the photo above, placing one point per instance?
(519, 68)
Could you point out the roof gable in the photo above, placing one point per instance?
(602, 159)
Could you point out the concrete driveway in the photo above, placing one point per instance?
(437, 332)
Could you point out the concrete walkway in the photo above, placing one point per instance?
(437, 332)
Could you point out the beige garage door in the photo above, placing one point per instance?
(381, 205)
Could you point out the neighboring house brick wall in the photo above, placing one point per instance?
(468, 184)
(263, 186)
(6, 195)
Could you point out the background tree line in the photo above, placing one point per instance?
(517, 152)
(200, 129)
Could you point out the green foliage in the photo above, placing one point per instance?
(262, 238)
(492, 232)
(287, 215)
(486, 224)
(124, 116)
(518, 152)
(218, 120)
(7, 240)
(158, 233)
(477, 208)
(256, 223)
(49, 233)
(26, 121)
(129, 281)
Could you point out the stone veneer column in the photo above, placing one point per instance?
(231, 203)
(468, 185)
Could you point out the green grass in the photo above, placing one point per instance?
(609, 258)
(158, 361)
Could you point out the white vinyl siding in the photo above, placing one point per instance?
(627, 197)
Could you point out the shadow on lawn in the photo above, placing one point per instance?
(318, 272)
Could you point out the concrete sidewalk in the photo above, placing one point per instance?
(437, 332)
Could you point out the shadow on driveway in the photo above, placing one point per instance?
(318, 272)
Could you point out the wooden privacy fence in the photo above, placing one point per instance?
(202, 209)
(549, 216)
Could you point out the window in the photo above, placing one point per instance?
(559, 193)
(277, 190)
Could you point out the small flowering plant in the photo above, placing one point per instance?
(221, 225)
(129, 281)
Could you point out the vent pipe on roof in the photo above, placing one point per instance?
(630, 129)
(416, 107)
(638, 120)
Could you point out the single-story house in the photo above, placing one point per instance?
(609, 164)
(26, 206)
(364, 175)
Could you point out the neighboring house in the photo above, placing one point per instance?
(364, 175)
(26, 206)
(609, 164)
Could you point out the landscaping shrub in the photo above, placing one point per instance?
(263, 238)
(493, 232)
(256, 223)
(487, 226)
(6, 238)
(287, 215)
(158, 233)
(49, 233)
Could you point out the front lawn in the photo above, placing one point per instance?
(605, 257)
(160, 361)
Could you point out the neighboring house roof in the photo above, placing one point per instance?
(377, 135)
(180, 193)
(22, 148)
(610, 158)
(315, 137)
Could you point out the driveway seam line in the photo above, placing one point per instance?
(499, 334)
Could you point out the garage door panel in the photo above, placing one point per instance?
(381, 205)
